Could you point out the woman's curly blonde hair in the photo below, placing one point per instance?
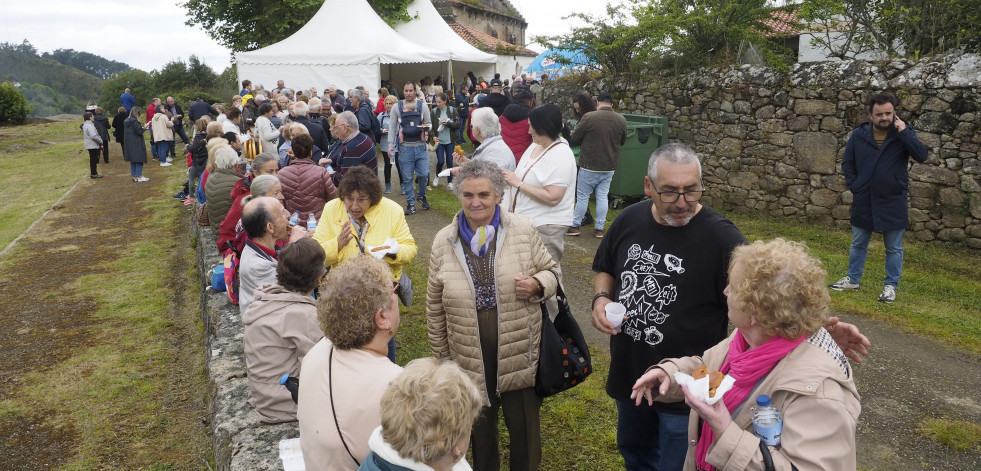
(353, 292)
(428, 409)
(782, 286)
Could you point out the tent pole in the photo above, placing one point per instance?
(449, 77)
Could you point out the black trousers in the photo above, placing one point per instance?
(94, 161)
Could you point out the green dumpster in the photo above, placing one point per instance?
(644, 135)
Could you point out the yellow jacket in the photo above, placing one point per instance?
(385, 220)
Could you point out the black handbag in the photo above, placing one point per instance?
(563, 361)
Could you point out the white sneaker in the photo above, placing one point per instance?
(450, 186)
(888, 294)
(436, 181)
(843, 284)
(165, 164)
(170, 159)
(142, 179)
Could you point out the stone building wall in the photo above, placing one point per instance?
(773, 142)
(497, 18)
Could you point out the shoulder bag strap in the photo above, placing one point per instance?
(330, 390)
(514, 200)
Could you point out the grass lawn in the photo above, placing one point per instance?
(134, 389)
(35, 174)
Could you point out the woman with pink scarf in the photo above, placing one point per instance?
(778, 303)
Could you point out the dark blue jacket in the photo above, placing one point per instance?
(200, 108)
(879, 177)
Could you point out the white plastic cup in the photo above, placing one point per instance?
(615, 313)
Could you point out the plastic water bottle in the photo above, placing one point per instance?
(767, 421)
(295, 218)
(311, 223)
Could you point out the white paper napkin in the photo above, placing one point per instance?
(700, 387)
(393, 248)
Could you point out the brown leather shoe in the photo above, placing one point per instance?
(599, 233)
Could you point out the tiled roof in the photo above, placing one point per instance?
(486, 42)
(783, 23)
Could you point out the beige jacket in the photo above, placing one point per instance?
(451, 310)
(280, 328)
(813, 388)
(163, 127)
(360, 378)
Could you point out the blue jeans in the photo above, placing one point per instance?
(164, 148)
(893, 240)
(413, 160)
(588, 183)
(136, 169)
(444, 152)
(391, 349)
(650, 440)
(463, 130)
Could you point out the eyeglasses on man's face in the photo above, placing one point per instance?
(691, 196)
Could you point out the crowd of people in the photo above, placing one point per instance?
(319, 252)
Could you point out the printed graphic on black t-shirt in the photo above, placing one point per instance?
(646, 290)
(670, 279)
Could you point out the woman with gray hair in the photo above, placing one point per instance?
(426, 417)
(218, 188)
(489, 272)
(486, 129)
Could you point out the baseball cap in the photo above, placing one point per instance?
(605, 97)
(478, 98)
(495, 83)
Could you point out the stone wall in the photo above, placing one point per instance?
(773, 142)
(241, 441)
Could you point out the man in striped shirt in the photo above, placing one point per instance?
(356, 148)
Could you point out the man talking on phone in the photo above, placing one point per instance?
(876, 168)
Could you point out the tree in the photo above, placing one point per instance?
(13, 105)
(683, 34)
(846, 28)
(245, 25)
(609, 43)
(24, 47)
(138, 81)
(87, 62)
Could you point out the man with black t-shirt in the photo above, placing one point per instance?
(666, 260)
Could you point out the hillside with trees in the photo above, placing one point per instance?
(65, 80)
(87, 62)
(51, 87)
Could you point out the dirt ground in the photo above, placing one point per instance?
(45, 319)
(906, 378)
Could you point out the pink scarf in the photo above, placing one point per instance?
(746, 367)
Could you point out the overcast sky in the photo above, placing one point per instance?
(147, 34)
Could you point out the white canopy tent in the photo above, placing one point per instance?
(344, 44)
(428, 27)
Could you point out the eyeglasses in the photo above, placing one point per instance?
(361, 201)
(691, 196)
(397, 288)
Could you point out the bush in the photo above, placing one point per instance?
(13, 106)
